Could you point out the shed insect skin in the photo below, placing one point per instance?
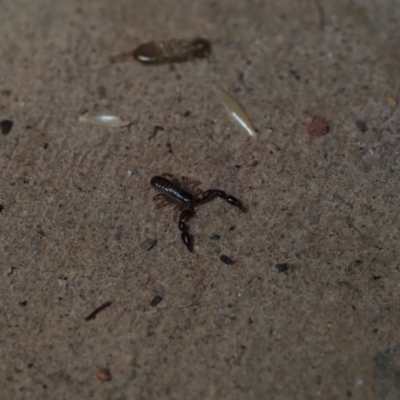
(174, 50)
(186, 196)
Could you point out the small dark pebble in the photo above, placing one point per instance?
(169, 147)
(1, 208)
(215, 237)
(361, 126)
(226, 260)
(376, 277)
(232, 228)
(45, 146)
(23, 303)
(156, 300)
(6, 126)
(282, 267)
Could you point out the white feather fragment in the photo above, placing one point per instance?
(108, 121)
(235, 111)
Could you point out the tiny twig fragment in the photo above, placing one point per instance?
(97, 310)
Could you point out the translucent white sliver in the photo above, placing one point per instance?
(235, 111)
(108, 121)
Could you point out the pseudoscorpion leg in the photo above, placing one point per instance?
(183, 228)
(210, 194)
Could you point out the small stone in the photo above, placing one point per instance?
(103, 374)
(318, 127)
(156, 300)
(282, 268)
(226, 260)
(6, 126)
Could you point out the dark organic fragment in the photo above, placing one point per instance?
(156, 300)
(226, 260)
(361, 126)
(6, 126)
(97, 310)
(282, 267)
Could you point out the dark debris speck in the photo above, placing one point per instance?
(1, 208)
(41, 232)
(226, 260)
(215, 237)
(156, 300)
(282, 268)
(361, 126)
(101, 92)
(169, 147)
(6, 126)
(23, 303)
(295, 74)
(93, 314)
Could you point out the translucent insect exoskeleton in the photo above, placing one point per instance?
(235, 111)
(167, 51)
(108, 121)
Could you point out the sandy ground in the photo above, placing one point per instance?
(308, 309)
